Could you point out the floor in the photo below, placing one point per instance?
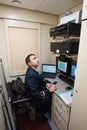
(24, 123)
(50, 122)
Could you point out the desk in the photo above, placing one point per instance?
(60, 112)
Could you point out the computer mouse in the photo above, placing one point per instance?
(72, 94)
(55, 82)
(68, 87)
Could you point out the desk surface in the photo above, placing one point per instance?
(61, 85)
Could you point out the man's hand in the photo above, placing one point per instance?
(51, 87)
(48, 85)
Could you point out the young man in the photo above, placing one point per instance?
(34, 82)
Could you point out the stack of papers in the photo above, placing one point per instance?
(66, 96)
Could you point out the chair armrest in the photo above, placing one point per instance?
(21, 100)
(12, 96)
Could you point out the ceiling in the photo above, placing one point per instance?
(48, 6)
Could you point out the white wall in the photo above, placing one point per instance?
(45, 50)
(74, 9)
(44, 20)
(10, 12)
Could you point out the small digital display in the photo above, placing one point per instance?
(73, 68)
(62, 66)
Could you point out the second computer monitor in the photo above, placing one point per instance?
(63, 65)
(73, 69)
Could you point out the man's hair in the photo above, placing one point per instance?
(27, 59)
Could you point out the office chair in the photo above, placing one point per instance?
(20, 106)
(23, 105)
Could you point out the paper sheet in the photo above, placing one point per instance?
(66, 96)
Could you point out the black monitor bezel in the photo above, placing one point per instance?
(63, 58)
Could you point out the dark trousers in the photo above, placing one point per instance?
(44, 105)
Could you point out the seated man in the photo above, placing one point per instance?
(36, 86)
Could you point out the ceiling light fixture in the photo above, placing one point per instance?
(16, 1)
(67, 12)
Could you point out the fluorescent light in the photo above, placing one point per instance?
(16, 1)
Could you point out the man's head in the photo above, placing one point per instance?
(32, 61)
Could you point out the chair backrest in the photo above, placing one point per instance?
(18, 88)
(16, 91)
(10, 91)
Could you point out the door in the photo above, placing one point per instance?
(78, 120)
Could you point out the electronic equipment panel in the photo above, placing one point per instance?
(67, 29)
(66, 47)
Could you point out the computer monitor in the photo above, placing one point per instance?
(63, 65)
(49, 68)
(73, 69)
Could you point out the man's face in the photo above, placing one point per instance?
(34, 61)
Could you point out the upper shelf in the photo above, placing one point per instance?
(66, 30)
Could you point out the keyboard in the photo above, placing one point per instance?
(46, 75)
(66, 80)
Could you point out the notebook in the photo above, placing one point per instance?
(49, 70)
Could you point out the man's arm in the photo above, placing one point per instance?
(32, 84)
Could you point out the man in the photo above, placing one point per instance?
(36, 86)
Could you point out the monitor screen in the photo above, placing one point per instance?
(62, 66)
(49, 68)
(73, 68)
